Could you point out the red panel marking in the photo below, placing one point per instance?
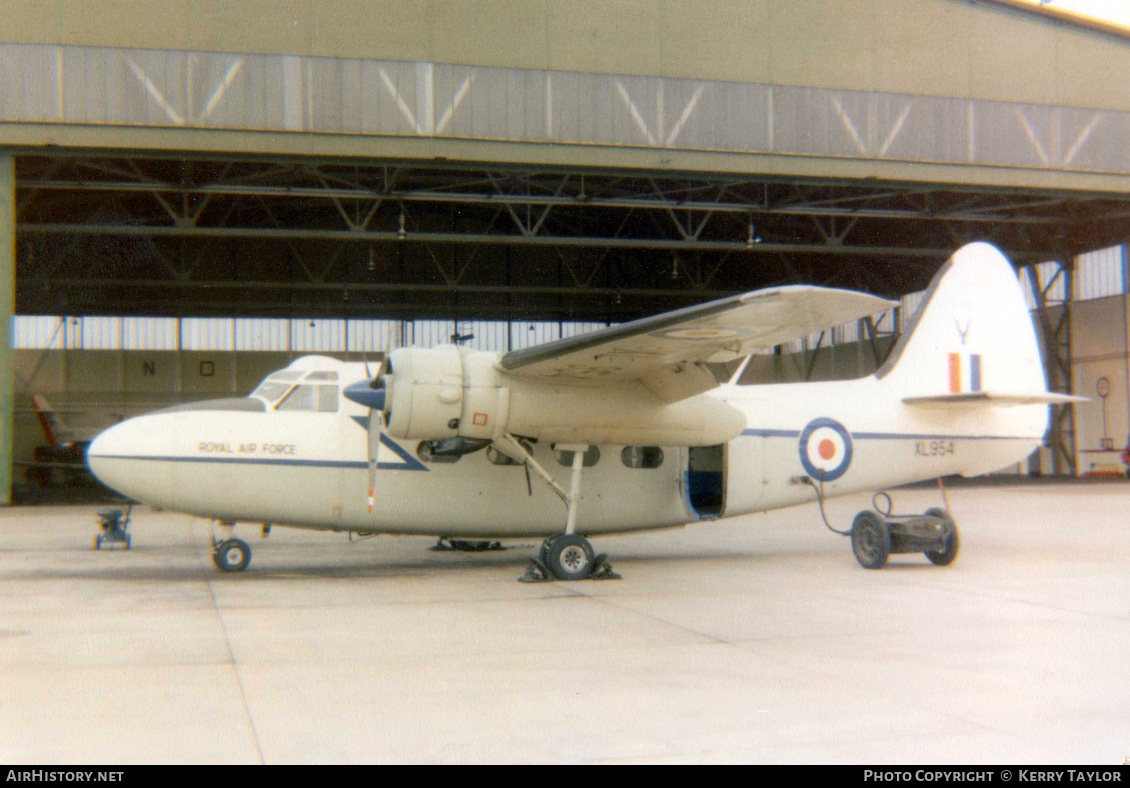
(479, 419)
(955, 373)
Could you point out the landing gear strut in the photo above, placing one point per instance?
(564, 556)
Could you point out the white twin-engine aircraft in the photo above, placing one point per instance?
(625, 427)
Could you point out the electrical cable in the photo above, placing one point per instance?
(820, 498)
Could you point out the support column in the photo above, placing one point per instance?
(7, 308)
(1054, 320)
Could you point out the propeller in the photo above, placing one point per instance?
(373, 394)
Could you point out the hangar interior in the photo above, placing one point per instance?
(513, 169)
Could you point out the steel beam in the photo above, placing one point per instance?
(989, 214)
(495, 239)
(1055, 331)
(7, 309)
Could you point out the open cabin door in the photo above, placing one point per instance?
(704, 481)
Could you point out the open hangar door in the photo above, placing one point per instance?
(198, 236)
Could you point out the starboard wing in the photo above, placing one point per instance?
(667, 352)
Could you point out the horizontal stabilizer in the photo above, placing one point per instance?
(991, 398)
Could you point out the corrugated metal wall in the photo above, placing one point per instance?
(298, 335)
(255, 92)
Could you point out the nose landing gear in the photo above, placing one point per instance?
(230, 554)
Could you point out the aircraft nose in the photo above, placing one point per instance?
(108, 455)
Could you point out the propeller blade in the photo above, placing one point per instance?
(372, 394)
(376, 429)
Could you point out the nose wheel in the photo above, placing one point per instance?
(231, 555)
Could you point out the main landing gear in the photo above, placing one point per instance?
(563, 556)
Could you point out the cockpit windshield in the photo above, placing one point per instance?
(294, 390)
(270, 391)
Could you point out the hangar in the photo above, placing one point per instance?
(524, 161)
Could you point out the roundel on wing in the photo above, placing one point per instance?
(825, 449)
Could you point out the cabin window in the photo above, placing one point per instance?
(642, 456)
(322, 399)
(565, 458)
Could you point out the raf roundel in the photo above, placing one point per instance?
(825, 449)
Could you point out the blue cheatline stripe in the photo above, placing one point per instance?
(893, 436)
(975, 373)
(413, 465)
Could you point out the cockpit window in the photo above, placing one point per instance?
(270, 390)
(322, 376)
(285, 374)
(322, 399)
(305, 397)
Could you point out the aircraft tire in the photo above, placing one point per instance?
(232, 555)
(543, 552)
(871, 540)
(570, 557)
(948, 554)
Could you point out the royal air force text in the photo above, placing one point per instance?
(270, 449)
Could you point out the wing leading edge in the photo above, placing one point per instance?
(666, 352)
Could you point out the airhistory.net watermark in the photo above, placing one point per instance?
(60, 776)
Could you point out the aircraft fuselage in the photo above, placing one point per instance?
(309, 469)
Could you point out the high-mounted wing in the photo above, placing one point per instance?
(666, 352)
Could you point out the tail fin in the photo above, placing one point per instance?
(972, 342)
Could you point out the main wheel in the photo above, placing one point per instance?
(570, 557)
(948, 554)
(232, 556)
(871, 540)
(543, 551)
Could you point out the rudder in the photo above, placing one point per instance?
(973, 334)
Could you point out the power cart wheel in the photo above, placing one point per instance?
(948, 554)
(871, 540)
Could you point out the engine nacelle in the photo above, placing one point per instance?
(425, 393)
(448, 392)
